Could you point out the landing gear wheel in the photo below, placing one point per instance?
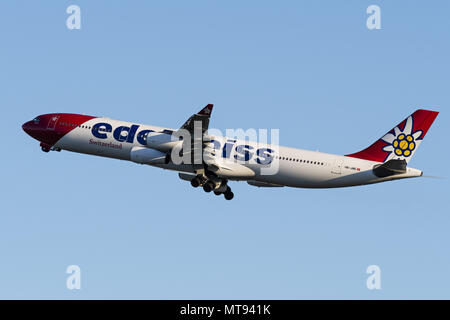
(228, 195)
(217, 193)
(45, 149)
(195, 182)
(208, 186)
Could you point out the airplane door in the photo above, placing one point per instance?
(52, 123)
(337, 166)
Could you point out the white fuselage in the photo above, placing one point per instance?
(289, 166)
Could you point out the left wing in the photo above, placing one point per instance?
(202, 117)
(202, 154)
(200, 120)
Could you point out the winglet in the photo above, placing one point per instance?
(202, 116)
(206, 111)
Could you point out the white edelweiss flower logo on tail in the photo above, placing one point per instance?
(402, 143)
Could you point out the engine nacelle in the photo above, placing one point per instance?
(145, 155)
(162, 141)
(231, 170)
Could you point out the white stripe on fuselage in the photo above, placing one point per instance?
(323, 170)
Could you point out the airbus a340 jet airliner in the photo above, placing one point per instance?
(225, 159)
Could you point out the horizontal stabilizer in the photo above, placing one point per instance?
(390, 168)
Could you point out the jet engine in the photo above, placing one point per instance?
(162, 141)
(145, 155)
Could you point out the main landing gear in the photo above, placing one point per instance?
(218, 186)
(196, 182)
(228, 194)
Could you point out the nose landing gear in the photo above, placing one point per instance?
(47, 148)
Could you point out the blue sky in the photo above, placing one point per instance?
(309, 68)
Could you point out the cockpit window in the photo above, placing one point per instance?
(36, 120)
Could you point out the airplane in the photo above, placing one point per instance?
(211, 161)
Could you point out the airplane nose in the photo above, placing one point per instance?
(39, 129)
(27, 127)
(34, 129)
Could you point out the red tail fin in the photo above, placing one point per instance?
(402, 141)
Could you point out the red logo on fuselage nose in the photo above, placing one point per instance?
(52, 122)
